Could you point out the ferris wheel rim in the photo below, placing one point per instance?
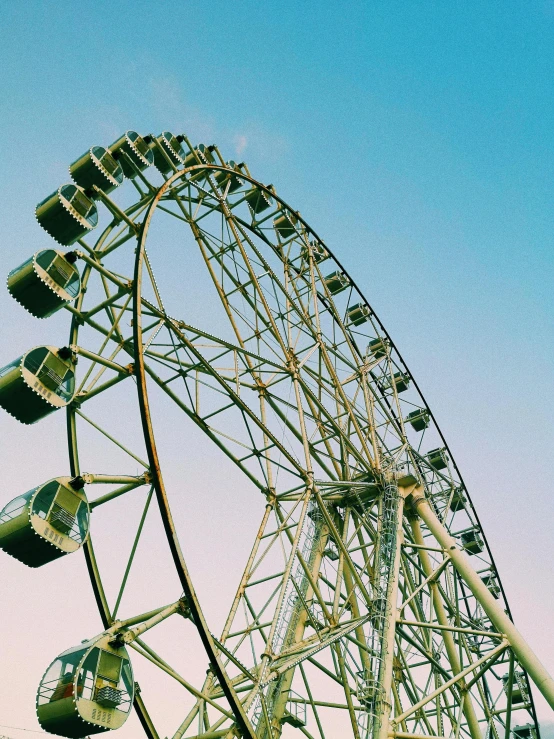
(137, 330)
(157, 478)
(268, 189)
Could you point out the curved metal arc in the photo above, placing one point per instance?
(157, 479)
(180, 174)
(416, 386)
(90, 559)
(437, 428)
(382, 399)
(310, 230)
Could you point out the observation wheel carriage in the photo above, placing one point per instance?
(370, 604)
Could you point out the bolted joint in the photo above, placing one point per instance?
(67, 352)
(271, 497)
(184, 608)
(415, 497)
(118, 640)
(78, 482)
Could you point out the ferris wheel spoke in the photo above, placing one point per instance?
(333, 379)
(244, 267)
(132, 553)
(123, 283)
(111, 438)
(199, 422)
(141, 480)
(238, 402)
(150, 655)
(275, 402)
(264, 335)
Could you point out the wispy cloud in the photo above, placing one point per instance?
(241, 142)
(169, 102)
(155, 102)
(262, 143)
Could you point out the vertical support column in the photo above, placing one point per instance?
(393, 510)
(526, 657)
(442, 618)
(278, 693)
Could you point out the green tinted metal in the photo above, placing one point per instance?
(44, 499)
(68, 500)
(35, 357)
(13, 509)
(109, 666)
(107, 161)
(141, 146)
(21, 267)
(9, 367)
(83, 205)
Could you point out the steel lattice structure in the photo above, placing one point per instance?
(370, 605)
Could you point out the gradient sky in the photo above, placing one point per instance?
(417, 138)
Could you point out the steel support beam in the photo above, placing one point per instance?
(442, 618)
(526, 657)
(386, 671)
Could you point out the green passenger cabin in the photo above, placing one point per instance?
(418, 419)
(97, 167)
(258, 200)
(437, 459)
(228, 180)
(87, 690)
(37, 384)
(45, 523)
(132, 152)
(67, 214)
(45, 282)
(358, 314)
(285, 225)
(336, 282)
(167, 151)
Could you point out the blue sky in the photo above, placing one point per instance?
(418, 140)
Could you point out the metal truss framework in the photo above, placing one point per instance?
(359, 612)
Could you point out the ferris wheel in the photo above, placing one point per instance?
(369, 605)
